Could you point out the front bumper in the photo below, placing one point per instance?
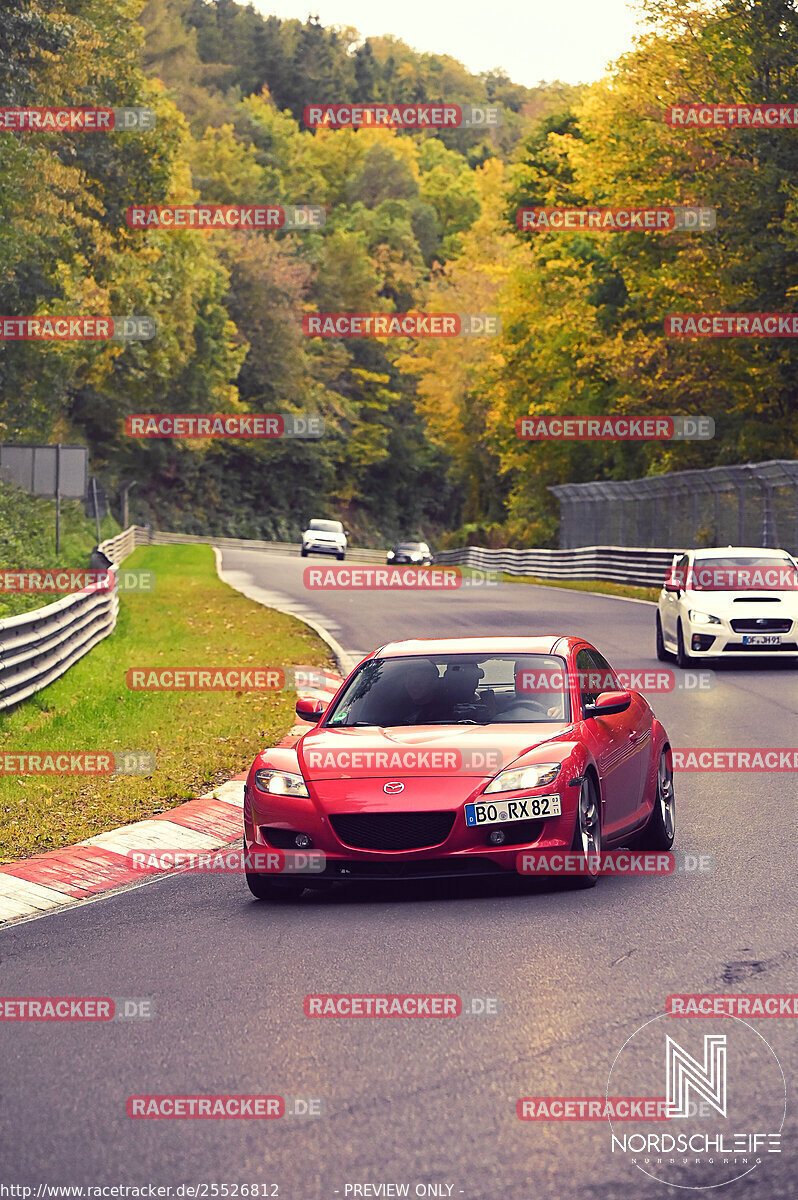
(323, 548)
(271, 821)
(715, 641)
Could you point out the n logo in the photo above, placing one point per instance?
(685, 1072)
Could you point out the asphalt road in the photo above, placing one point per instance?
(419, 1101)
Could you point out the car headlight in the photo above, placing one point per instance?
(280, 783)
(391, 554)
(541, 775)
(702, 618)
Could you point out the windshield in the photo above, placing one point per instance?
(739, 573)
(410, 546)
(326, 526)
(455, 689)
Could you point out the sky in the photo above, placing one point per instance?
(571, 40)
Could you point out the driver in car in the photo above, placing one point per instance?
(459, 694)
(535, 691)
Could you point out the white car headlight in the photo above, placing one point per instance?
(541, 775)
(280, 783)
(391, 554)
(702, 618)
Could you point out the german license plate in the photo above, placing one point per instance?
(762, 639)
(531, 808)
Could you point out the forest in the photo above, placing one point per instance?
(419, 433)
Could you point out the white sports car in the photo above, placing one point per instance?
(732, 601)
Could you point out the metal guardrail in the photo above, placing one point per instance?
(38, 647)
(616, 564)
(613, 564)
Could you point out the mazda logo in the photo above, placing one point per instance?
(393, 788)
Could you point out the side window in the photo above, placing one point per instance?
(587, 675)
(609, 680)
(679, 571)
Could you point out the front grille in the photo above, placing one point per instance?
(761, 625)
(466, 864)
(393, 830)
(788, 647)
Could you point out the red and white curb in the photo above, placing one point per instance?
(33, 886)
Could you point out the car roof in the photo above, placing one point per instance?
(544, 644)
(738, 551)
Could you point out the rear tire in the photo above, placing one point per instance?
(683, 659)
(662, 653)
(587, 834)
(659, 832)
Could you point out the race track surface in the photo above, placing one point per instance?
(415, 1101)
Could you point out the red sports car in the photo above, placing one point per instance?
(442, 758)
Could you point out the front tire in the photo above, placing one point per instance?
(683, 659)
(587, 834)
(263, 888)
(340, 557)
(662, 653)
(659, 832)
(304, 552)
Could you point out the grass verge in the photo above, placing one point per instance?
(199, 739)
(589, 585)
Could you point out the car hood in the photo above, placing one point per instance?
(732, 604)
(420, 751)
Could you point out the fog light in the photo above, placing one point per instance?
(302, 841)
(702, 641)
(497, 837)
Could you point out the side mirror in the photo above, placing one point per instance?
(309, 709)
(674, 582)
(608, 703)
